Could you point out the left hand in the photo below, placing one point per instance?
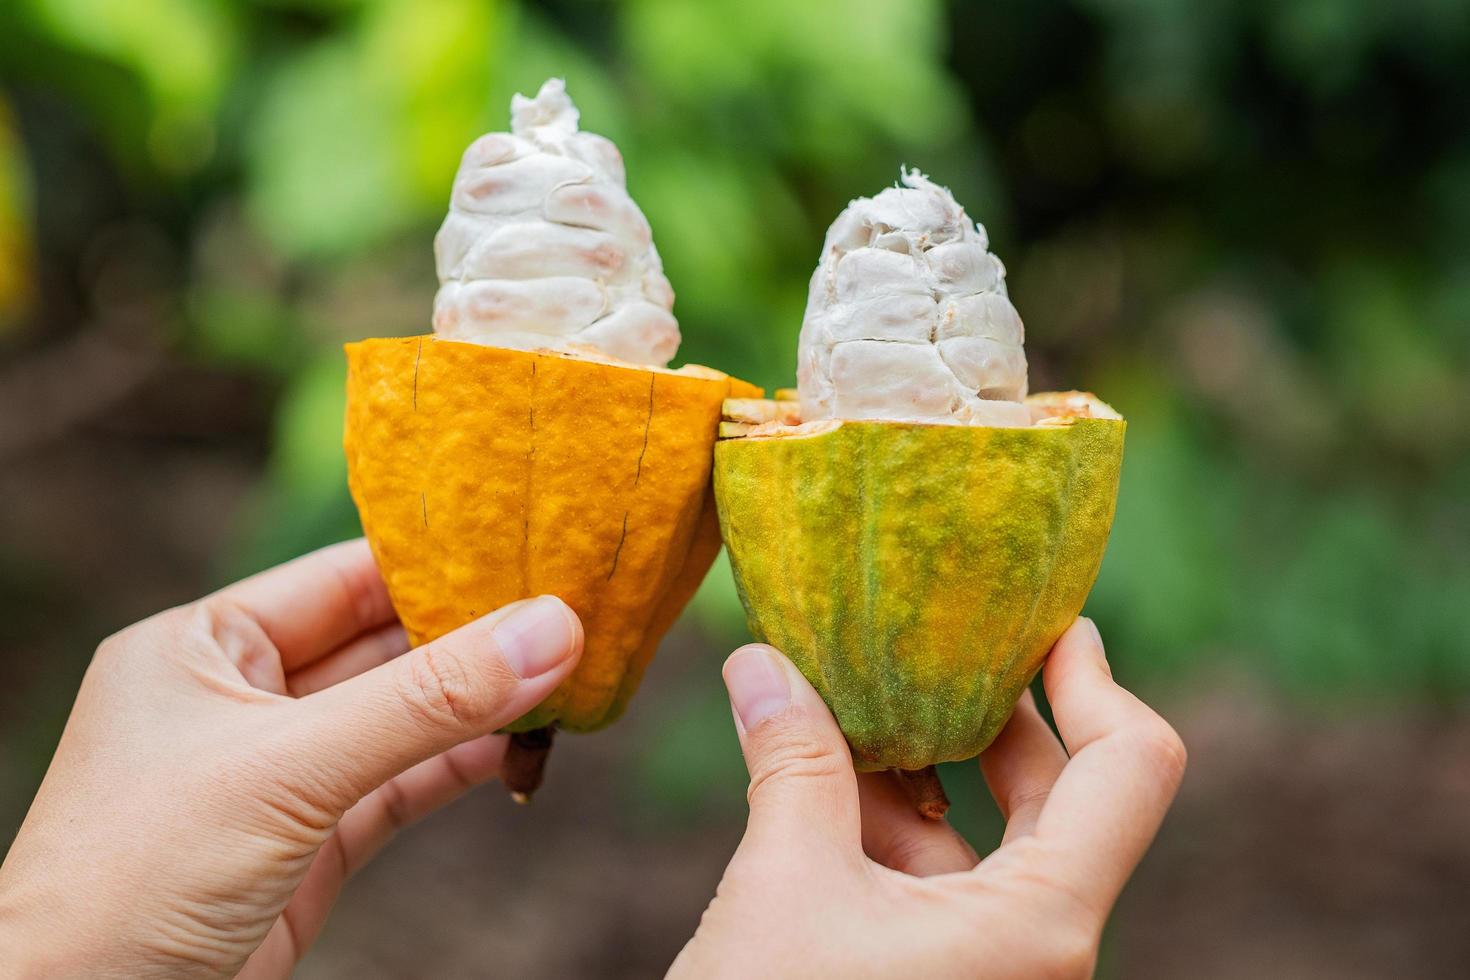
(229, 763)
(838, 876)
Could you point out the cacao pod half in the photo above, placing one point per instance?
(917, 574)
(484, 475)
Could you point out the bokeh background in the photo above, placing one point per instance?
(1247, 225)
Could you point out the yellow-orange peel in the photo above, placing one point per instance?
(484, 475)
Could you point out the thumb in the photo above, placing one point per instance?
(467, 683)
(802, 784)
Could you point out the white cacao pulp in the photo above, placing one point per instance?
(544, 249)
(908, 318)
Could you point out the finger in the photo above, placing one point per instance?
(372, 823)
(362, 832)
(1021, 766)
(362, 654)
(896, 836)
(416, 793)
(1126, 766)
(276, 955)
(803, 791)
(311, 606)
(358, 734)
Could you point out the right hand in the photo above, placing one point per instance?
(838, 875)
(229, 763)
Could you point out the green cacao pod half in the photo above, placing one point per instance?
(917, 574)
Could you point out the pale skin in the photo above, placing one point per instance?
(837, 875)
(230, 763)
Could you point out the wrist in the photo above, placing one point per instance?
(19, 950)
(34, 945)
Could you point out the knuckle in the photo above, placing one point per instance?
(218, 626)
(395, 805)
(220, 623)
(114, 648)
(459, 777)
(218, 618)
(904, 851)
(1072, 953)
(1161, 746)
(787, 751)
(438, 690)
(1023, 799)
(355, 582)
(910, 853)
(172, 629)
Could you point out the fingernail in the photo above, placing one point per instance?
(1096, 636)
(535, 636)
(757, 683)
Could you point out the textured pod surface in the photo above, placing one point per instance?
(485, 475)
(918, 574)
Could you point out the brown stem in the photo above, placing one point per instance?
(925, 790)
(525, 762)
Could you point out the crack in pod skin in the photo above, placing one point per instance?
(510, 515)
(536, 444)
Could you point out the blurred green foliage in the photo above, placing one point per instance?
(14, 219)
(1245, 224)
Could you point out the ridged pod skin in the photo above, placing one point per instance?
(918, 574)
(483, 476)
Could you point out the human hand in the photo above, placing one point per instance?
(229, 763)
(838, 875)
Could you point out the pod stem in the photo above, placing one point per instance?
(925, 790)
(525, 762)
